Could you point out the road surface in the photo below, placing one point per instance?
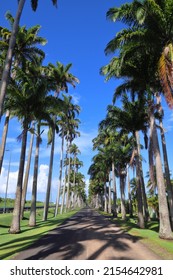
(87, 236)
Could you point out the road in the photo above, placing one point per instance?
(87, 236)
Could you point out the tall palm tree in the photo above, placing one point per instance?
(25, 183)
(60, 171)
(32, 217)
(100, 170)
(26, 100)
(76, 165)
(169, 186)
(59, 75)
(70, 131)
(74, 150)
(81, 195)
(12, 42)
(25, 50)
(106, 138)
(147, 33)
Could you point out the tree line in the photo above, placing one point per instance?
(142, 62)
(37, 95)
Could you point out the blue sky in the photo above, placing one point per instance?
(77, 33)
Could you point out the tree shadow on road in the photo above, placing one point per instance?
(69, 240)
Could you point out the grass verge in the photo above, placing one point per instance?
(148, 236)
(11, 244)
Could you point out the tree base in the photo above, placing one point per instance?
(165, 237)
(13, 231)
(32, 225)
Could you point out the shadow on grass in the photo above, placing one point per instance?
(153, 225)
(4, 226)
(131, 223)
(28, 240)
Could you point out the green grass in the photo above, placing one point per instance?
(12, 244)
(148, 236)
(10, 203)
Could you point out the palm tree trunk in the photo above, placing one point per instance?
(122, 191)
(151, 163)
(110, 201)
(46, 205)
(141, 177)
(167, 174)
(15, 225)
(141, 222)
(105, 201)
(64, 188)
(60, 176)
(68, 184)
(114, 191)
(74, 182)
(8, 61)
(4, 137)
(32, 218)
(25, 184)
(129, 194)
(164, 226)
(6, 124)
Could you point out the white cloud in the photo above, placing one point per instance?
(42, 179)
(75, 98)
(84, 142)
(87, 186)
(12, 181)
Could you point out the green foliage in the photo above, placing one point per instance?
(34, 4)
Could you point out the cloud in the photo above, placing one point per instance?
(87, 186)
(84, 142)
(12, 182)
(42, 179)
(75, 98)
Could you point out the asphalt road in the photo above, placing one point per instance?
(87, 236)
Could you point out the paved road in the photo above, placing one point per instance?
(87, 236)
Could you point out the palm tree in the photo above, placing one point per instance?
(60, 77)
(125, 120)
(129, 194)
(100, 170)
(70, 131)
(26, 100)
(138, 37)
(12, 42)
(49, 106)
(74, 150)
(76, 165)
(151, 28)
(81, 195)
(25, 183)
(123, 150)
(25, 50)
(106, 138)
(71, 135)
(32, 218)
(60, 171)
(169, 187)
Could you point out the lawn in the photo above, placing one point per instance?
(148, 236)
(14, 243)
(10, 203)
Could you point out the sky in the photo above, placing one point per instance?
(77, 32)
